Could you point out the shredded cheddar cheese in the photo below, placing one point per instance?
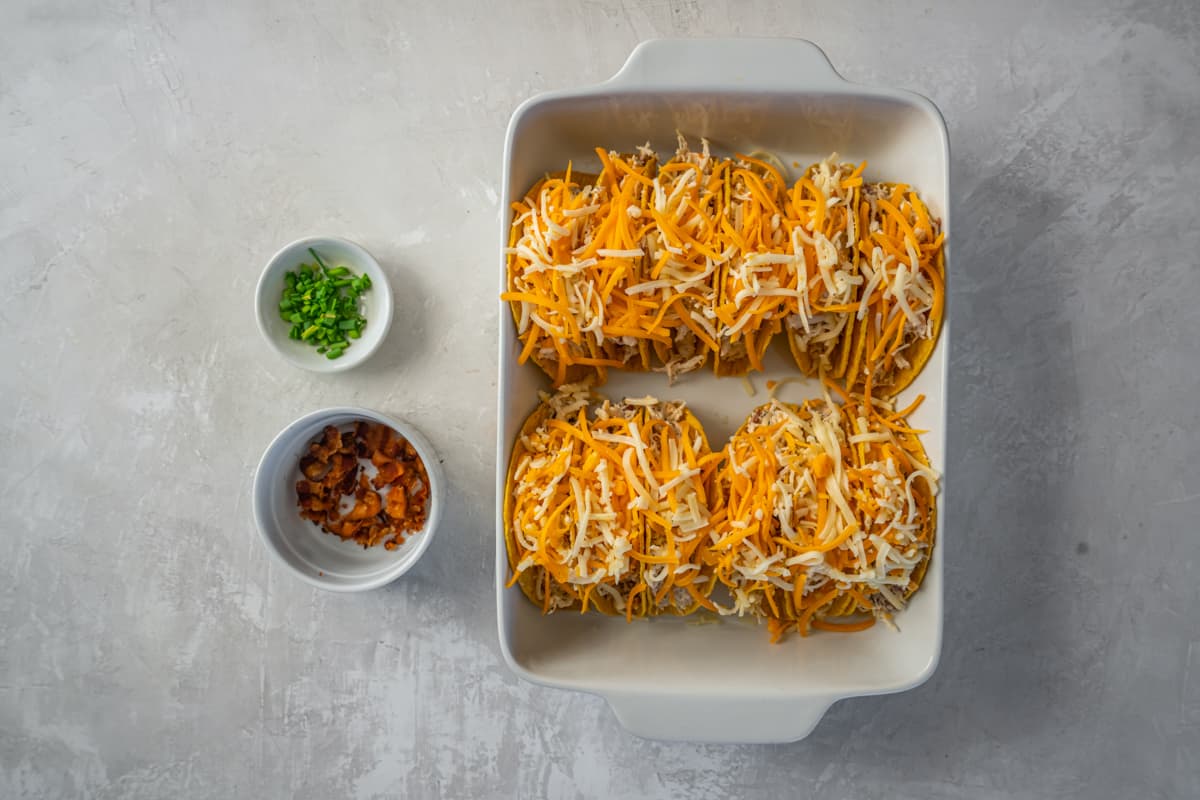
(808, 514)
(901, 258)
(822, 204)
(667, 266)
(678, 519)
(572, 522)
(824, 509)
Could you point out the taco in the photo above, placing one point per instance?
(825, 516)
(675, 508)
(557, 314)
(535, 580)
(684, 258)
(573, 537)
(620, 244)
(781, 519)
(889, 477)
(899, 316)
(763, 277)
(824, 228)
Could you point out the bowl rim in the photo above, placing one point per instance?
(353, 356)
(433, 470)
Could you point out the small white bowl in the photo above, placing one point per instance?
(320, 558)
(376, 302)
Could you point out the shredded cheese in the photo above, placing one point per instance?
(574, 531)
(704, 258)
(830, 513)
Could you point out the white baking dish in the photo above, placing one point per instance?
(667, 678)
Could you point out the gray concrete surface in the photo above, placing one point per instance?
(154, 154)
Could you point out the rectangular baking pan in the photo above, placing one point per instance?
(671, 678)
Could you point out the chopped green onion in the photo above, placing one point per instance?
(314, 254)
(321, 305)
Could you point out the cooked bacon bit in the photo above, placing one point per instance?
(388, 472)
(397, 505)
(332, 471)
(392, 444)
(312, 467)
(365, 508)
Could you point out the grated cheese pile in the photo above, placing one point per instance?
(609, 506)
(900, 311)
(828, 512)
(809, 513)
(664, 266)
(767, 269)
(823, 203)
(675, 508)
(572, 523)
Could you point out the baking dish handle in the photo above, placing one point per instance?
(689, 718)
(727, 64)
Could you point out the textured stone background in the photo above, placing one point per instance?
(154, 154)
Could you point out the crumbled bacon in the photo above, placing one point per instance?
(386, 508)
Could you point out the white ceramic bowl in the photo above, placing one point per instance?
(376, 302)
(320, 558)
(666, 679)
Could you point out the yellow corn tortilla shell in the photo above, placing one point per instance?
(783, 600)
(917, 352)
(653, 530)
(845, 605)
(532, 580)
(575, 373)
